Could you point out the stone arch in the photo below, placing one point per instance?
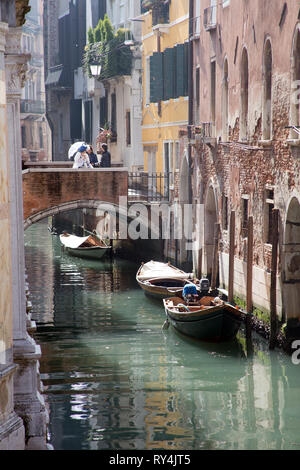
(120, 211)
(267, 90)
(210, 219)
(244, 73)
(295, 82)
(291, 261)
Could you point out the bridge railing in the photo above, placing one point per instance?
(143, 186)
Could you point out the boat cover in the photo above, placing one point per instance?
(72, 241)
(157, 270)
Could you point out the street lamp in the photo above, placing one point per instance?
(95, 69)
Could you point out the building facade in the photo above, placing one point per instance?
(23, 415)
(35, 130)
(165, 83)
(244, 146)
(80, 105)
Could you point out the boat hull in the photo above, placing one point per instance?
(211, 324)
(91, 253)
(161, 280)
(160, 292)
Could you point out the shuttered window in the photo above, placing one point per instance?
(156, 77)
(169, 73)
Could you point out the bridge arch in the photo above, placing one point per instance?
(124, 214)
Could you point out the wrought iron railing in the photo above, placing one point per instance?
(33, 106)
(210, 17)
(143, 186)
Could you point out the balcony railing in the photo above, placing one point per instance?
(210, 17)
(143, 186)
(33, 107)
(160, 14)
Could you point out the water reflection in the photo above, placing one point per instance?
(115, 380)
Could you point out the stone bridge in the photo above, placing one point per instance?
(56, 188)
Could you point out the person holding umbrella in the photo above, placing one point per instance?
(74, 149)
(81, 158)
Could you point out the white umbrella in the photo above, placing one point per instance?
(74, 147)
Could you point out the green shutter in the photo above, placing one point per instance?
(186, 68)
(156, 77)
(180, 70)
(169, 60)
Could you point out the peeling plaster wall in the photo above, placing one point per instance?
(234, 170)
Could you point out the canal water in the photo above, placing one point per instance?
(114, 379)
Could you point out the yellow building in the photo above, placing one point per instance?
(165, 82)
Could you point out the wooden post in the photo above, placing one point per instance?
(215, 263)
(249, 305)
(249, 264)
(273, 313)
(231, 256)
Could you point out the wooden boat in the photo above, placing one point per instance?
(85, 247)
(206, 319)
(161, 279)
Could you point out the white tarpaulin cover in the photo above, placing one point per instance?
(72, 241)
(157, 270)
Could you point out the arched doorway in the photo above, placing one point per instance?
(210, 219)
(291, 262)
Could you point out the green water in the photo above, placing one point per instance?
(114, 380)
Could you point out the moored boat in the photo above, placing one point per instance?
(161, 279)
(85, 247)
(208, 318)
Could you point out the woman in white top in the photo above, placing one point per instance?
(82, 159)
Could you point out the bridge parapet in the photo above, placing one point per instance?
(47, 191)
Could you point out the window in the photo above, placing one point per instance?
(244, 95)
(225, 97)
(176, 157)
(269, 206)
(213, 90)
(168, 73)
(147, 80)
(103, 120)
(113, 112)
(225, 212)
(197, 10)
(128, 129)
(267, 91)
(197, 96)
(244, 215)
(168, 166)
(41, 137)
(23, 136)
(88, 121)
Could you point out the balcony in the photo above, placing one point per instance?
(206, 133)
(32, 107)
(210, 18)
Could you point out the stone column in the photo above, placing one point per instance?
(12, 433)
(29, 403)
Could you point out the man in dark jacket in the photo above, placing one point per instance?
(105, 159)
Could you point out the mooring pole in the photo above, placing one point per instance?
(249, 304)
(215, 264)
(231, 256)
(273, 310)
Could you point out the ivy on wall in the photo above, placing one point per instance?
(107, 48)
